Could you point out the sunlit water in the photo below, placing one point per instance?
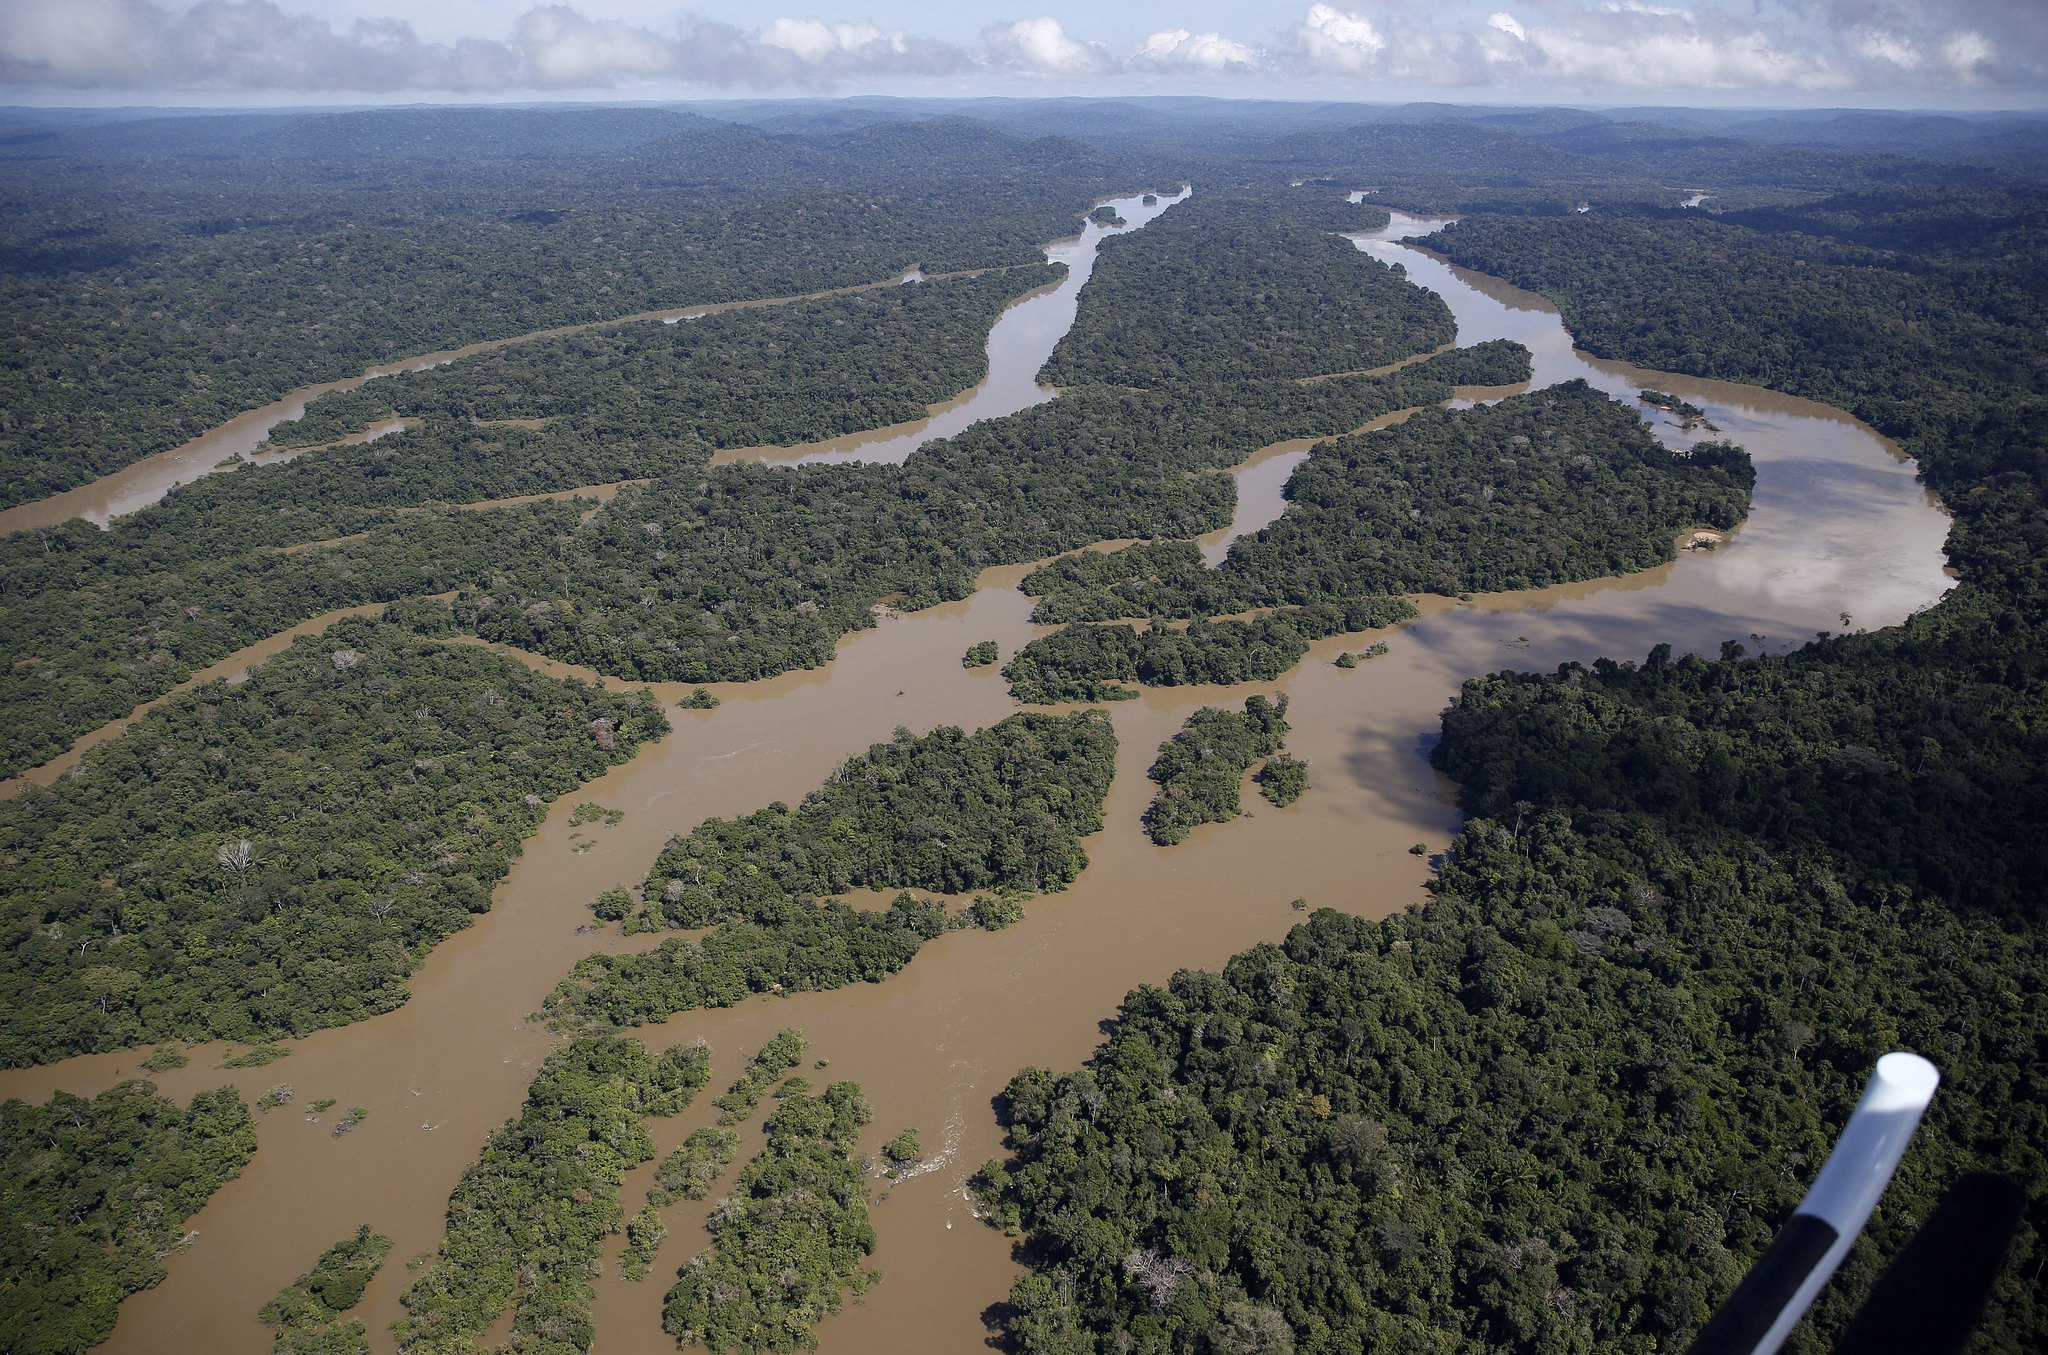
(1840, 524)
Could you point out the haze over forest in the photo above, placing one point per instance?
(1268, 684)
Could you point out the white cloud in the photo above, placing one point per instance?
(1550, 49)
(564, 50)
(1042, 47)
(1337, 40)
(1969, 55)
(255, 45)
(1877, 44)
(1173, 47)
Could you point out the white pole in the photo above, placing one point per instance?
(1857, 1172)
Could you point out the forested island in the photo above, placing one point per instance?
(272, 857)
(1562, 1104)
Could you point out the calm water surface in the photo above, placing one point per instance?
(1840, 524)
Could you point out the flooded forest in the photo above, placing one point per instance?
(628, 731)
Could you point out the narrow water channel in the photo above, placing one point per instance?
(1840, 524)
(137, 486)
(1019, 343)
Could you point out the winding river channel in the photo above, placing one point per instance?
(1840, 525)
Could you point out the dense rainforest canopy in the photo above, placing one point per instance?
(1698, 899)
(1695, 898)
(308, 1314)
(1449, 501)
(1090, 663)
(733, 573)
(94, 1192)
(1201, 769)
(268, 858)
(1230, 285)
(1003, 809)
(158, 280)
(790, 1241)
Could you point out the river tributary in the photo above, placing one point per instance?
(1840, 524)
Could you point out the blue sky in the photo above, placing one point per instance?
(1764, 53)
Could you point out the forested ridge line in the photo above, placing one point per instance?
(158, 318)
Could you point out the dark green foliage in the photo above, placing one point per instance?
(138, 315)
(257, 1056)
(1598, 1068)
(980, 655)
(1086, 663)
(1451, 501)
(1564, 1105)
(689, 1172)
(993, 912)
(1916, 752)
(527, 1222)
(754, 570)
(164, 1059)
(270, 858)
(786, 947)
(680, 1073)
(794, 1235)
(770, 1062)
(612, 905)
(1690, 413)
(1201, 769)
(590, 811)
(1938, 345)
(86, 645)
(1233, 285)
(1002, 808)
(700, 699)
(1922, 348)
(92, 1193)
(1283, 779)
(307, 1312)
(904, 1148)
(644, 1232)
(774, 376)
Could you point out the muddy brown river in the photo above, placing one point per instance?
(1840, 524)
